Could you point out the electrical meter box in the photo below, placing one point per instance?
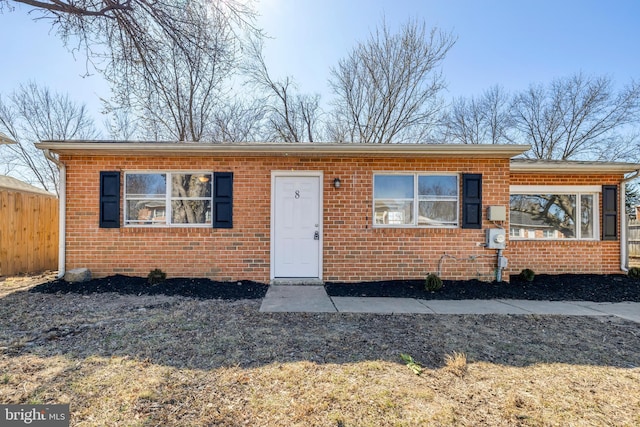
(497, 213)
(496, 238)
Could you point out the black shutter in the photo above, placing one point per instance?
(223, 200)
(609, 212)
(471, 200)
(109, 199)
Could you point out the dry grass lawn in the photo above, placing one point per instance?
(172, 361)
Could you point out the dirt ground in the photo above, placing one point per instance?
(174, 360)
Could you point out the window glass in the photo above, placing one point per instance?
(393, 212)
(156, 199)
(191, 211)
(437, 197)
(553, 216)
(396, 201)
(586, 216)
(438, 186)
(393, 187)
(143, 185)
(191, 185)
(437, 213)
(145, 198)
(145, 212)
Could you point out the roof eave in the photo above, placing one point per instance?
(568, 168)
(262, 149)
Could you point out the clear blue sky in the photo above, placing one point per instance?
(507, 42)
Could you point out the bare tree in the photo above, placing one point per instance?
(290, 116)
(238, 121)
(32, 114)
(166, 59)
(121, 125)
(176, 95)
(387, 89)
(128, 30)
(483, 120)
(577, 117)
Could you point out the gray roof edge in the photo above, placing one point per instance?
(199, 148)
(520, 165)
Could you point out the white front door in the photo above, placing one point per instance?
(296, 227)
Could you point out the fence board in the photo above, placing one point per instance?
(28, 233)
(633, 240)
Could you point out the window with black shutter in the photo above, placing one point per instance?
(178, 199)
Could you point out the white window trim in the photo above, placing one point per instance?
(167, 199)
(415, 199)
(577, 190)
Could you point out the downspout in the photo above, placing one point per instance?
(624, 261)
(62, 212)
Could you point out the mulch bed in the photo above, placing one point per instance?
(187, 287)
(564, 287)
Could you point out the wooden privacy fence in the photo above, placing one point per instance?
(633, 237)
(28, 232)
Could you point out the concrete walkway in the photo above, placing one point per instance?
(314, 299)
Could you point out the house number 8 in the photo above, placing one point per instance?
(297, 194)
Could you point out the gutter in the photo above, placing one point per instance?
(624, 247)
(62, 212)
(107, 148)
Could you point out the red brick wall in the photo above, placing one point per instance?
(353, 249)
(556, 257)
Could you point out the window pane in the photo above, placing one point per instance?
(437, 213)
(544, 216)
(191, 185)
(146, 185)
(393, 186)
(145, 212)
(393, 212)
(586, 216)
(438, 186)
(191, 211)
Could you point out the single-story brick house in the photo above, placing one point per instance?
(318, 212)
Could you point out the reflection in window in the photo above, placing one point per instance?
(397, 203)
(552, 216)
(393, 195)
(586, 216)
(188, 196)
(438, 200)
